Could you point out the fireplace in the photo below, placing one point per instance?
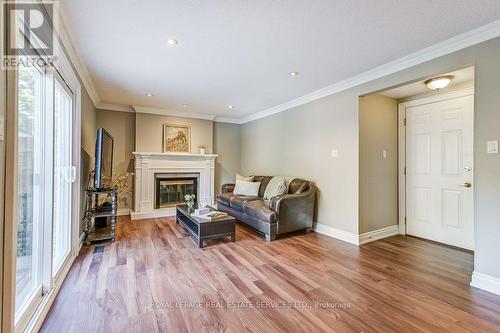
(150, 166)
(170, 188)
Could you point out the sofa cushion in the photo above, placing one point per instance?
(264, 180)
(259, 209)
(224, 198)
(246, 188)
(298, 186)
(237, 202)
(276, 186)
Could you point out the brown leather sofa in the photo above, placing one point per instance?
(281, 214)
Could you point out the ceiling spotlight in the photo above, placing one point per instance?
(294, 73)
(149, 94)
(439, 82)
(185, 105)
(171, 41)
(230, 106)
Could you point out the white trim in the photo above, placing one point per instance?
(80, 241)
(485, 282)
(336, 233)
(203, 156)
(123, 212)
(374, 235)
(459, 42)
(78, 63)
(114, 107)
(163, 112)
(164, 212)
(36, 321)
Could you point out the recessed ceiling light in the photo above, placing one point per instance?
(185, 105)
(230, 106)
(438, 82)
(294, 73)
(149, 94)
(172, 41)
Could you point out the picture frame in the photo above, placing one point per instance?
(176, 138)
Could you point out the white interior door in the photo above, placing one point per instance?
(439, 195)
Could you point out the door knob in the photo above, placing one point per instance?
(467, 185)
(468, 168)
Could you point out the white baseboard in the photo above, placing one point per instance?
(337, 233)
(123, 211)
(374, 235)
(151, 214)
(485, 282)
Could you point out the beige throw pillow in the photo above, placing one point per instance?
(247, 179)
(246, 188)
(276, 186)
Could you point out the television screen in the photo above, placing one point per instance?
(103, 159)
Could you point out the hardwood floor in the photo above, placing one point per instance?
(155, 279)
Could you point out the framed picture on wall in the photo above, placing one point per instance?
(176, 138)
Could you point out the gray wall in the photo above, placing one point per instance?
(150, 132)
(121, 125)
(88, 135)
(227, 144)
(298, 142)
(378, 177)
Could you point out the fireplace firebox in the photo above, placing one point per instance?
(171, 188)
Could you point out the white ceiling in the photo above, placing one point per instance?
(241, 52)
(461, 78)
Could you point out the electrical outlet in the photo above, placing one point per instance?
(492, 147)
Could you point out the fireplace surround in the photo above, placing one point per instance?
(169, 165)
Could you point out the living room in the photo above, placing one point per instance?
(355, 175)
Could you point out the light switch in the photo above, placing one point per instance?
(335, 153)
(492, 147)
(384, 154)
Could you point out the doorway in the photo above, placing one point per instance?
(439, 167)
(416, 161)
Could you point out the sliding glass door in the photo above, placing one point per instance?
(30, 188)
(45, 177)
(64, 175)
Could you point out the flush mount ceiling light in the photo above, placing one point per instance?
(149, 94)
(439, 82)
(172, 41)
(294, 73)
(185, 105)
(230, 106)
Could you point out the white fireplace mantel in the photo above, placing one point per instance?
(149, 164)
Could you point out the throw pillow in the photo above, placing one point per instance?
(246, 188)
(247, 179)
(276, 186)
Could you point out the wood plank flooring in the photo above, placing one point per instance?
(155, 279)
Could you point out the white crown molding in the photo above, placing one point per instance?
(372, 236)
(114, 107)
(459, 42)
(336, 233)
(229, 120)
(163, 112)
(79, 65)
(485, 282)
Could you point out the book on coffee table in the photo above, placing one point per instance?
(211, 216)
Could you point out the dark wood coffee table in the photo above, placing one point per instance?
(202, 230)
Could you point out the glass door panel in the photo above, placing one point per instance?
(29, 187)
(64, 174)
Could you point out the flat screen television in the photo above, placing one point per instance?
(103, 159)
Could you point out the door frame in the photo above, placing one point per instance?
(402, 147)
